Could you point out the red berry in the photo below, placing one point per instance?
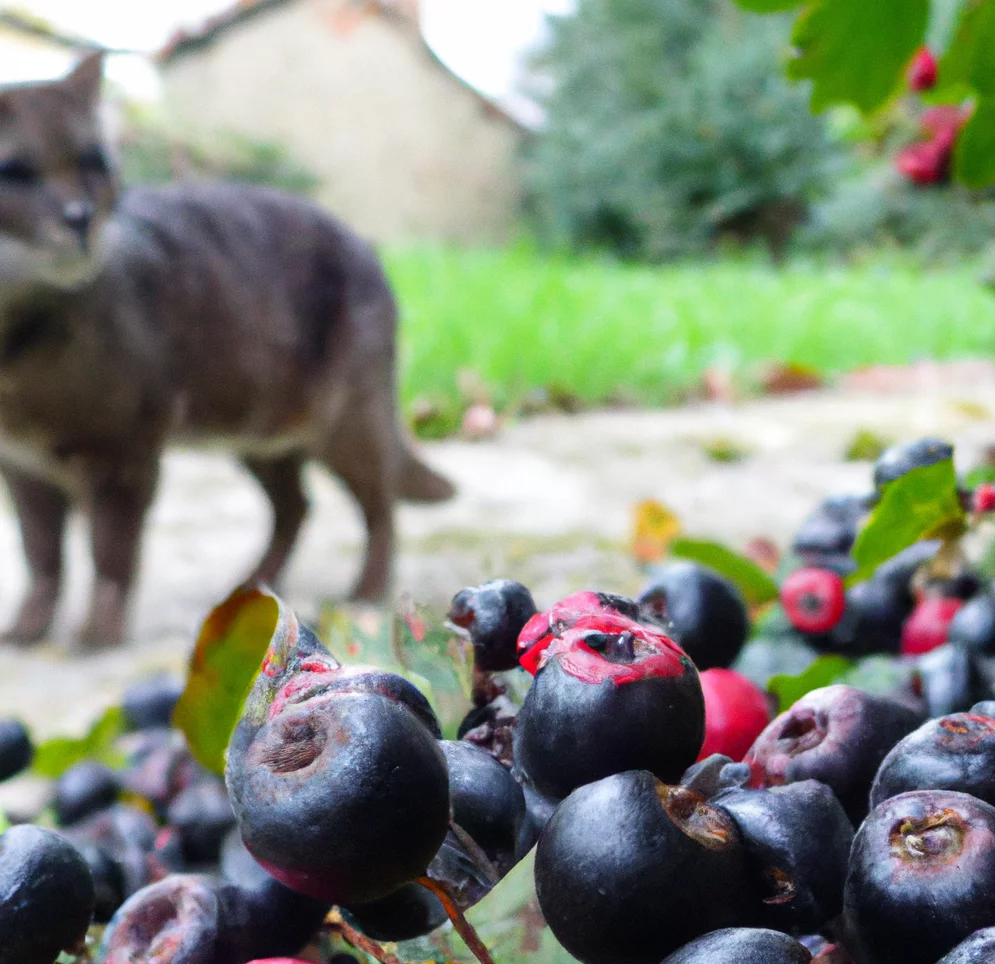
(736, 713)
(925, 163)
(944, 120)
(921, 74)
(927, 626)
(814, 599)
(983, 498)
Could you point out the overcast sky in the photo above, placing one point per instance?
(482, 40)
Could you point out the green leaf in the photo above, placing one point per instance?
(970, 59)
(856, 51)
(824, 671)
(223, 666)
(769, 6)
(57, 755)
(921, 504)
(753, 583)
(974, 156)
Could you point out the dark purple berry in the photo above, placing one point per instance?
(347, 761)
(979, 948)
(797, 839)
(203, 816)
(410, 912)
(493, 614)
(956, 752)
(83, 790)
(837, 735)
(150, 702)
(487, 802)
(974, 626)
(610, 695)
(46, 896)
(831, 530)
(16, 749)
(742, 945)
(947, 680)
(628, 870)
(922, 874)
(701, 609)
(900, 459)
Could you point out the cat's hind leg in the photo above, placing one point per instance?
(41, 514)
(280, 479)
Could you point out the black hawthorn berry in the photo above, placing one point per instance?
(193, 919)
(922, 873)
(900, 459)
(46, 896)
(348, 758)
(742, 945)
(979, 948)
(487, 802)
(150, 702)
(493, 614)
(703, 610)
(947, 680)
(831, 530)
(838, 735)
(83, 790)
(873, 616)
(974, 626)
(203, 816)
(628, 870)
(410, 912)
(610, 695)
(984, 708)
(797, 839)
(108, 881)
(955, 752)
(16, 749)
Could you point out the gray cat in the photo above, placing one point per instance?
(216, 314)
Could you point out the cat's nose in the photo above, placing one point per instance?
(77, 216)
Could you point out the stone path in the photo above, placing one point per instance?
(548, 501)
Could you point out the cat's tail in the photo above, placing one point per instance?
(419, 483)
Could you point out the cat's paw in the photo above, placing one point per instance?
(36, 615)
(107, 622)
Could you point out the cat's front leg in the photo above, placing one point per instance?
(119, 500)
(41, 514)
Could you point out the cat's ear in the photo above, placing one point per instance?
(85, 77)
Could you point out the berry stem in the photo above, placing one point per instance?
(463, 927)
(361, 942)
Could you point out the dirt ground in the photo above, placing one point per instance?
(547, 501)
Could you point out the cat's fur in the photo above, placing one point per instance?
(213, 314)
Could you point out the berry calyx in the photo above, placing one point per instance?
(928, 625)
(736, 713)
(813, 599)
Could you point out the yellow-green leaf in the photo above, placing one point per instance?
(53, 757)
(755, 585)
(824, 671)
(224, 664)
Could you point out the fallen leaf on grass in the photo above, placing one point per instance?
(785, 378)
(865, 446)
(724, 449)
(654, 528)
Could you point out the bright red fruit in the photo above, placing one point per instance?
(736, 713)
(813, 599)
(926, 628)
(925, 163)
(922, 71)
(983, 498)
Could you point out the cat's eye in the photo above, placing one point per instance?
(16, 170)
(94, 161)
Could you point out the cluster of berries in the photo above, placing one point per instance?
(928, 161)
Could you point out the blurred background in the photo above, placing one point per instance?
(632, 264)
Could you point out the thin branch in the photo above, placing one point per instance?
(463, 927)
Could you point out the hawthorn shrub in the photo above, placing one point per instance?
(668, 125)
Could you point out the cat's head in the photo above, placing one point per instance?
(57, 188)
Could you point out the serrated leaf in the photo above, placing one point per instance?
(654, 528)
(970, 58)
(824, 671)
(974, 154)
(223, 666)
(855, 51)
(920, 504)
(755, 586)
(53, 757)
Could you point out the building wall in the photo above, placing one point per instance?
(404, 149)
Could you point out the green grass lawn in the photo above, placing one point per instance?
(596, 330)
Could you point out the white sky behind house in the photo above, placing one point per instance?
(483, 41)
